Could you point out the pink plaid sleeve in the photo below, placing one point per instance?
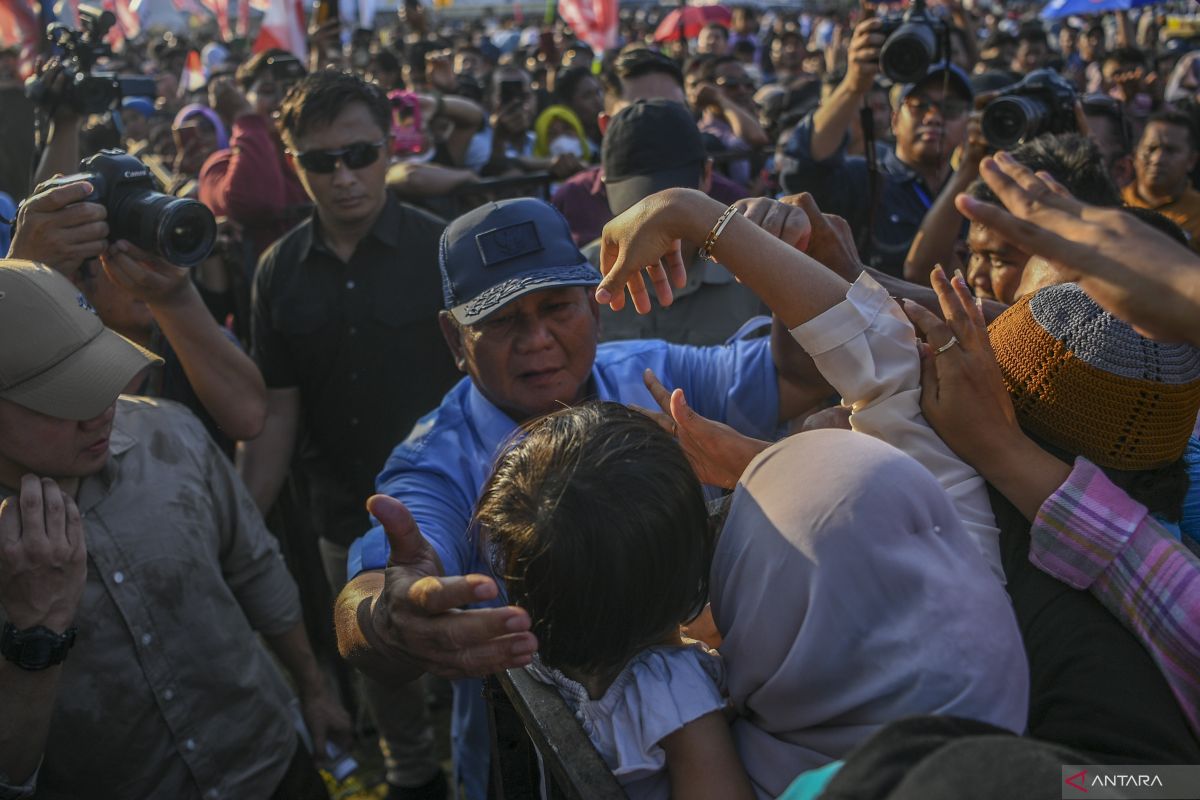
(1091, 535)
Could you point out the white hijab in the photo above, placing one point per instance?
(849, 596)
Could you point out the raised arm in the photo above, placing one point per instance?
(1086, 532)
(833, 117)
(942, 226)
(225, 380)
(1130, 269)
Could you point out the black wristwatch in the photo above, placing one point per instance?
(35, 648)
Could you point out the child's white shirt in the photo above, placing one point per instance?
(659, 691)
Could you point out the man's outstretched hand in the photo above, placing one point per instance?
(717, 452)
(419, 619)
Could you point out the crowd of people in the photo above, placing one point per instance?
(807, 430)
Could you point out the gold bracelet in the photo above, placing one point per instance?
(711, 241)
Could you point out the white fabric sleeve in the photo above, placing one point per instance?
(866, 348)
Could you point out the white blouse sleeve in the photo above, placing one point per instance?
(866, 348)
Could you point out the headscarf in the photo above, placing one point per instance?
(849, 596)
(200, 110)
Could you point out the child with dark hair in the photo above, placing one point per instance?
(597, 525)
(607, 592)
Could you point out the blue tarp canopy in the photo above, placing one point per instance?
(1056, 9)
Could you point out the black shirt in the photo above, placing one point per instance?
(361, 342)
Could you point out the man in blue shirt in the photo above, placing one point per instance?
(523, 325)
(929, 122)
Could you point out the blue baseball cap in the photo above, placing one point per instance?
(503, 250)
(956, 78)
(142, 105)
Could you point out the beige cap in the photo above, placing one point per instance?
(56, 356)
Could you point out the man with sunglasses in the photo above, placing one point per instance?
(250, 181)
(884, 209)
(345, 331)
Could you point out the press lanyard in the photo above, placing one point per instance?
(924, 198)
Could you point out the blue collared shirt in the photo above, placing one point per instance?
(841, 185)
(438, 471)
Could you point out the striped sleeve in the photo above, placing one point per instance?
(1091, 535)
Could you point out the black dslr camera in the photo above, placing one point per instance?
(914, 41)
(86, 91)
(1044, 102)
(181, 231)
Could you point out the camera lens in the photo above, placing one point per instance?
(186, 232)
(1007, 121)
(907, 53)
(181, 231)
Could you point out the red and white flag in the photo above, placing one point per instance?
(283, 27)
(18, 23)
(193, 78)
(593, 21)
(220, 10)
(128, 16)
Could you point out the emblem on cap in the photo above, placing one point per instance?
(504, 244)
(84, 304)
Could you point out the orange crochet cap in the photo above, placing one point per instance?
(1085, 381)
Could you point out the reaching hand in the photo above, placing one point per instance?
(830, 240)
(717, 452)
(419, 618)
(786, 220)
(862, 59)
(43, 556)
(1130, 269)
(645, 238)
(56, 228)
(962, 393)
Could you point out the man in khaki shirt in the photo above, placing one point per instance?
(1163, 162)
(135, 572)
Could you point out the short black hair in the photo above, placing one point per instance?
(1033, 33)
(634, 62)
(1173, 116)
(1071, 159)
(1127, 57)
(599, 585)
(1098, 104)
(716, 26)
(320, 97)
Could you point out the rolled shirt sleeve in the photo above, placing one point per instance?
(866, 348)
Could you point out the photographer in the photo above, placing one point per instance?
(150, 302)
(929, 122)
(251, 182)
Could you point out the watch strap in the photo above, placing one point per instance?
(35, 648)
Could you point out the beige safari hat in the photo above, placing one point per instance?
(56, 356)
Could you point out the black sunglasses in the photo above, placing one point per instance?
(356, 156)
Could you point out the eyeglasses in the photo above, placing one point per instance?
(949, 108)
(356, 156)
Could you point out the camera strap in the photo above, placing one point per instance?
(866, 236)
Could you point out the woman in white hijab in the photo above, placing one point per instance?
(849, 596)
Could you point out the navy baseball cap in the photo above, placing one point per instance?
(956, 78)
(503, 250)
